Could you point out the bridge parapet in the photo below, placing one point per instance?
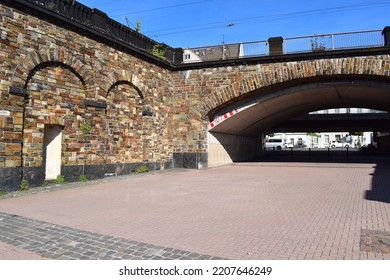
(97, 23)
(277, 46)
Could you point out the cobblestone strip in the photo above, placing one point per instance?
(58, 242)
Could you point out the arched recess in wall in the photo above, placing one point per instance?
(49, 55)
(125, 104)
(53, 113)
(40, 111)
(123, 77)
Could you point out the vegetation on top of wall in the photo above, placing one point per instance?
(138, 26)
(317, 46)
(158, 51)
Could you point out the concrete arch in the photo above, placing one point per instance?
(268, 75)
(264, 110)
(48, 55)
(236, 136)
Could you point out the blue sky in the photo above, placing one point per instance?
(194, 23)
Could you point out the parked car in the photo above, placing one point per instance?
(339, 144)
(289, 145)
(274, 142)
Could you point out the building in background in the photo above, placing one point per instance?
(321, 139)
(318, 139)
(213, 53)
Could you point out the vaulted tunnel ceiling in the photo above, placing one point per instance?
(272, 109)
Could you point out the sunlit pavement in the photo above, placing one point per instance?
(259, 210)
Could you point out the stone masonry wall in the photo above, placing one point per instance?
(95, 92)
(118, 111)
(192, 88)
(239, 82)
(203, 93)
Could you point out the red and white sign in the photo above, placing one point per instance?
(220, 118)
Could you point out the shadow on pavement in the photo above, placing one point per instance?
(380, 184)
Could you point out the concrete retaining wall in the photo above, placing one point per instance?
(225, 149)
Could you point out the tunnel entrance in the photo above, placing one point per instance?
(240, 136)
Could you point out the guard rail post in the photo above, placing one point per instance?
(386, 36)
(275, 45)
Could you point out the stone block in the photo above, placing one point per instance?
(10, 179)
(34, 175)
(190, 160)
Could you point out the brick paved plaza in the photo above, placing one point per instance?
(258, 210)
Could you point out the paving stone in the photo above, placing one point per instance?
(27, 233)
(283, 211)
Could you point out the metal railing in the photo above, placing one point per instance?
(96, 21)
(226, 51)
(303, 44)
(335, 41)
